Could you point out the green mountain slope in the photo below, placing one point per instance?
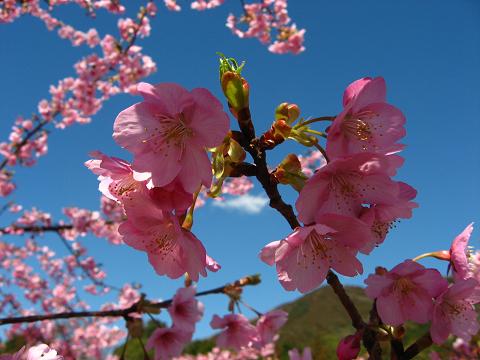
(318, 320)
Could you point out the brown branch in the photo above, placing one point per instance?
(35, 229)
(421, 344)
(243, 169)
(334, 282)
(137, 307)
(369, 338)
(10, 230)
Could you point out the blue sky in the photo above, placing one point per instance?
(427, 50)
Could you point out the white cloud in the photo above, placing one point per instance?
(249, 204)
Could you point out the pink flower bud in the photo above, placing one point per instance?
(349, 347)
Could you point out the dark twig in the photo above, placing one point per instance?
(135, 308)
(421, 344)
(334, 282)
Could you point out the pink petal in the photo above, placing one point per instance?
(169, 98)
(209, 122)
(388, 308)
(267, 254)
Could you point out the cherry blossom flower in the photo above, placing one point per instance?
(237, 333)
(304, 257)
(116, 175)
(294, 354)
(171, 197)
(343, 185)
(42, 352)
(459, 255)
(269, 324)
(168, 342)
(185, 309)
(169, 131)
(453, 312)
(290, 41)
(201, 5)
(172, 250)
(405, 293)
(38, 352)
(367, 123)
(381, 218)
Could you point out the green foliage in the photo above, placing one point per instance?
(12, 345)
(200, 346)
(134, 348)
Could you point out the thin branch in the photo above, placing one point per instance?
(421, 344)
(336, 285)
(57, 228)
(135, 308)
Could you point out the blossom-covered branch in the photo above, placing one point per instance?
(141, 306)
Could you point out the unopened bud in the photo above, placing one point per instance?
(349, 347)
(287, 112)
(289, 172)
(234, 86)
(236, 90)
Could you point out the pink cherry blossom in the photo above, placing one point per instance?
(304, 257)
(172, 250)
(290, 40)
(453, 312)
(206, 4)
(343, 185)
(116, 175)
(171, 197)
(269, 324)
(294, 354)
(237, 331)
(169, 131)
(459, 255)
(185, 309)
(367, 123)
(168, 342)
(405, 293)
(172, 5)
(381, 218)
(42, 352)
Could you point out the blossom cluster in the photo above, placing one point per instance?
(50, 285)
(266, 20)
(411, 292)
(115, 67)
(239, 339)
(263, 17)
(168, 134)
(349, 204)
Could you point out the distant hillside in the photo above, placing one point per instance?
(316, 320)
